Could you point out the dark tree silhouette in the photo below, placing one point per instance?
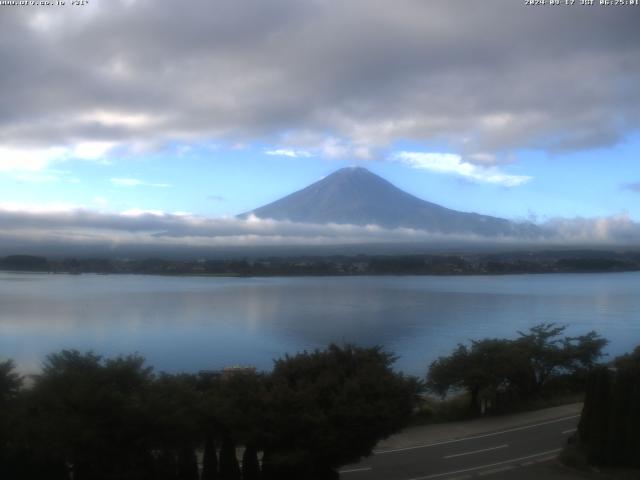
(86, 417)
(10, 384)
(501, 371)
(167, 466)
(329, 408)
(187, 464)
(91, 414)
(229, 468)
(209, 459)
(250, 464)
(610, 420)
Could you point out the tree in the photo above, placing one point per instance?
(328, 408)
(544, 350)
(90, 413)
(583, 352)
(610, 421)
(551, 356)
(499, 372)
(166, 466)
(187, 464)
(10, 384)
(174, 408)
(235, 406)
(209, 459)
(250, 464)
(229, 468)
(489, 371)
(233, 411)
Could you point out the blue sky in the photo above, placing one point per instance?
(128, 108)
(217, 180)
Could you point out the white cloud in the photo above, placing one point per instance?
(74, 225)
(115, 118)
(28, 159)
(38, 208)
(91, 150)
(451, 163)
(335, 148)
(44, 176)
(138, 212)
(306, 143)
(37, 159)
(484, 159)
(602, 230)
(289, 152)
(134, 182)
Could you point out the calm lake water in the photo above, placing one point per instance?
(193, 323)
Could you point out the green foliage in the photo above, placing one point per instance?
(10, 385)
(235, 406)
(187, 464)
(229, 467)
(490, 370)
(250, 464)
(499, 372)
(91, 413)
(437, 410)
(172, 405)
(209, 459)
(328, 408)
(166, 466)
(10, 381)
(87, 417)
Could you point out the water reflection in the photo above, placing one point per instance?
(188, 323)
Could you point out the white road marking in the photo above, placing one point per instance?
(353, 470)
(446, 442)
(571, 430)
(481, 467)
(496, 470)
(476, 451)
(545, 459)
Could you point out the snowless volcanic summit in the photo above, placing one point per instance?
(356, 196)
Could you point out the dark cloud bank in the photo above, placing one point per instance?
(486, 76)
(82, 232)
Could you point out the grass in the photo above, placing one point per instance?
(434, 410)
(456, 408)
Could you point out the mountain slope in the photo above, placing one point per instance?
(356, 196)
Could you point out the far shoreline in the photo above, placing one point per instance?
(360, 275)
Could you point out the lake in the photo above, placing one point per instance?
(194, 323)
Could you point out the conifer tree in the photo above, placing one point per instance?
(250, 464)
(229, 468)
(187, 464)
(209, 459)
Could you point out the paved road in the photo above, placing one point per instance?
(481, 455)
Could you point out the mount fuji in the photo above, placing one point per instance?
(356, 196)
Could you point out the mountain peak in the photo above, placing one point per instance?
(352, 175)
(357, 196)
(351, 170)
